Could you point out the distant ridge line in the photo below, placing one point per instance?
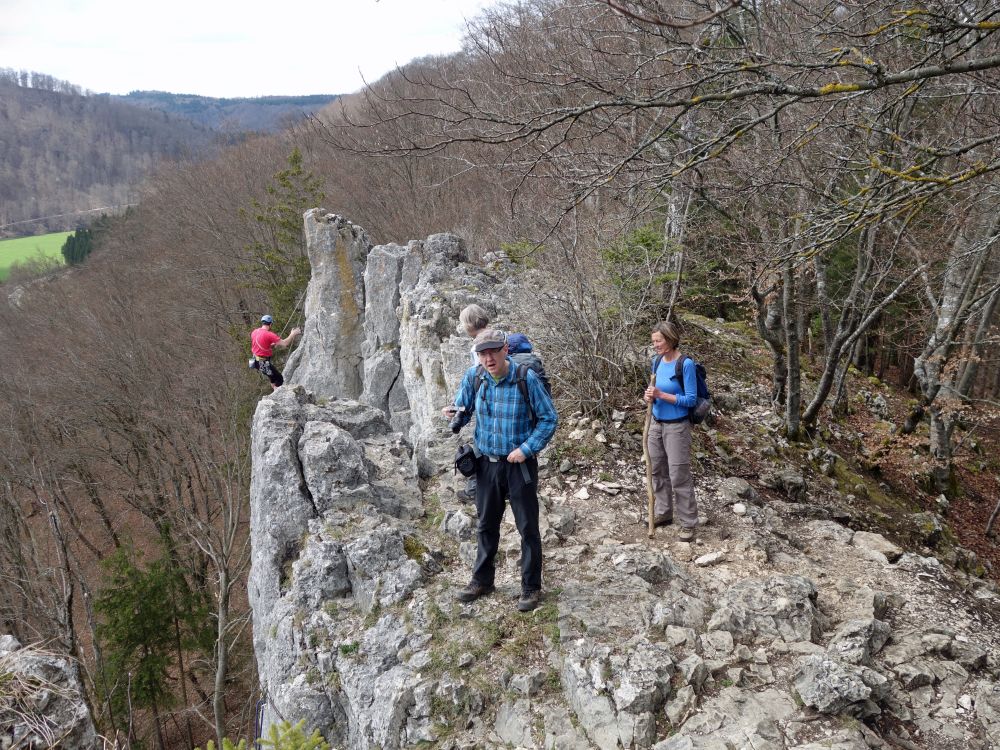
(263, 99)
(71, 213)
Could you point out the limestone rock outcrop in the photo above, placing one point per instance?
(328, 360)
(796, 636)
(41, 700)
(381, 326)
(335, 488)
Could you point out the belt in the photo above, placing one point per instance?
(671, 421)
(525, 474)
(261, 359)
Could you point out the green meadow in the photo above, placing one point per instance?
(26, 249)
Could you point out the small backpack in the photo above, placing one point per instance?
(522, 353)
(703, 403)
(524, 359)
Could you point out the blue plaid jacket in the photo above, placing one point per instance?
(503, 420)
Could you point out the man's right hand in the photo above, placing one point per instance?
(449, 411)
(296, 332)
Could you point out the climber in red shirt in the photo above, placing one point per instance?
(262, 343)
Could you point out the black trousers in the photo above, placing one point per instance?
(496, 481)
(271, 372)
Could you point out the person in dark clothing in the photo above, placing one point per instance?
(509, 435)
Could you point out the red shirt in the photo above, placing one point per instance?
(261, 341)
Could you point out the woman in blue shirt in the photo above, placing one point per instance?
(670, 433)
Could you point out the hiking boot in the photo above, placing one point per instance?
(662, 519)
(473, 591)
(468, 493)
(686, 534)
(529, 600)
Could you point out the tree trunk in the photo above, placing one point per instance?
(823, 302)
(967, 263)
(222, 656)
(942, 427)
(993, 520)
(159, 729)
(851, 335)
(968, 374)
(673, 237)
(788, 304)
(839, 406)
(768, 319)
(183, 681)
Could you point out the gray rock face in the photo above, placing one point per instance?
(781, 606)
(735, 490)
(988, 710)
(336, 455)
(831, 686)
(586, 682)
(377, 692)
(513, 725)
(381, 327)
(435, 285)
(318, 470)
(877, 546)
(648, 564)
(856, 641)
(602, 607)
(845, 740)
(560, 733)
(828, 686)
(383, 383)
(876, 403)
(380, 572)
(831, 530)
(615, 695)
(789, 480)
(280, 505)
(357, 630)
(328, 360)
(41, 700)
(737, 718)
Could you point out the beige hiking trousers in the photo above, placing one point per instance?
(673, 485)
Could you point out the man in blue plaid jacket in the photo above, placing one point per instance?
(510, 432)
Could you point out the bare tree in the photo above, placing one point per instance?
(965, 290)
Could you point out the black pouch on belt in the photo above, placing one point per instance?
(465, 460)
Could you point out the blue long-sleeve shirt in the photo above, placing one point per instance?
(503, 419)
(666, 381)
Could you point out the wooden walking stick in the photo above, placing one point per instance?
(649, 464)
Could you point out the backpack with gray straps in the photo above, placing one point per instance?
(522, 353)
(524, 358)
(703, 403)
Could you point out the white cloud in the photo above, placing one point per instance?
(226, 48)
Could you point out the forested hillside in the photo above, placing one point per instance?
(247, 114)
(822, 175)
(63, 151)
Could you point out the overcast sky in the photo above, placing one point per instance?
(225, 48)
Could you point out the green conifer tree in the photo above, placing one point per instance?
(77, 246)
(278, 262)
(84, 240)
(147, 614)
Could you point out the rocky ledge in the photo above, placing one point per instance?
(41, 700)
(781, 627)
